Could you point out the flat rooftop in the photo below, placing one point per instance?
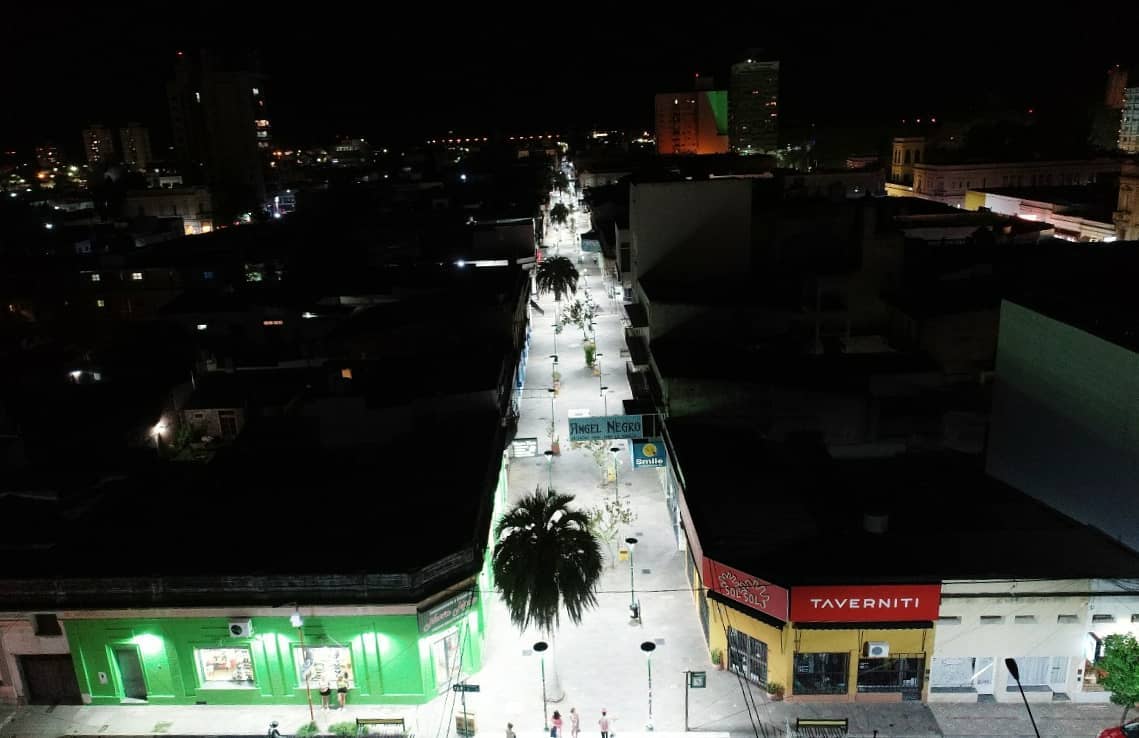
(790, 514)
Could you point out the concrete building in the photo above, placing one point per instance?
(905, 152)
(194, 205)
(694, 122)
(1126, 217)
(1129, 122)
(98, 144)
(134, 140)
(1076, 213)
(1065, 358)
(1114, 89)
(753, 106)
(948, 183)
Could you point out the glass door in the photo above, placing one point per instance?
(747, 656)
(445, 655)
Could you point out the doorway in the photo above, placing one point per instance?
(130, 672)
(50, 680)
(445, 655)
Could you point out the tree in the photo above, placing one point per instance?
(561, 181)
(546, 560)
(557, 275)
(1120, 661)
(580, 313)
(606, 521)
(559, 213)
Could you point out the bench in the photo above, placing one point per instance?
(394, 726)
(821, 727)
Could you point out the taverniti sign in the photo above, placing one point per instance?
(868, 603)
(746, 589)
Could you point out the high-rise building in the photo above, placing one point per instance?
(47, 155)
(98, 144)
(134, 139)
(753, 106)
(693, 122)
(1116, 84)
(1129, 122)
(220, 126)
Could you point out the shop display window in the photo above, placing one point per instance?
(225, 667)
(821, 673)
(324, 665)
(893, 674)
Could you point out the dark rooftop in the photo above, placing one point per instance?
(786, 512)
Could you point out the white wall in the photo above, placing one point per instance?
(1045, 637)
(18, 638)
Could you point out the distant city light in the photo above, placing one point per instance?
(48, 226)
(307, 315)
(202, 326)
(460, 263)
(463, 177)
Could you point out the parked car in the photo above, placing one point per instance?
(1127, 730)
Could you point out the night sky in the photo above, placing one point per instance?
(349, 71)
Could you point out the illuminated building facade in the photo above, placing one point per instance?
(135, 142)
(693, 122)
(753, 106)
(98, 144)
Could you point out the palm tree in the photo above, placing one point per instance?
(546, 560)
(557, 275)
(559, 213)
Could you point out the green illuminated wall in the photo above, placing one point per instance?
(718, 102)
(391, 659)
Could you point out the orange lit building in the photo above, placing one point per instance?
(694, 122)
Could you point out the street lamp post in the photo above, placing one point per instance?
(298, 622)
(554, 369)
(540, 649)
(597, 363)
(616, 476)
(634, 608)
(604, 400)
(648, 647)
(550, 475)
(1013, 669)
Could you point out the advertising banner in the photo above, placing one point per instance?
(649, 453)
(603, 427)
(865, 603)
(745, 589)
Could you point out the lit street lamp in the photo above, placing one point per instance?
(605, 400)
(1010, 664)
(634, 608)
(616, 477)
(540, 649)
(648, 647)
(550, 477)
(298, 622)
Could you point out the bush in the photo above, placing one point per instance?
(345, 729)
(308, 729)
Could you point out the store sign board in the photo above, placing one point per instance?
(745, 589)
(446, 611)
(648, 454)
(603, 427)
(865, 603)
(521, 448)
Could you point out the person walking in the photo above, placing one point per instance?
(575, 722)
(510, 731)
(603, 724)
(556, 723)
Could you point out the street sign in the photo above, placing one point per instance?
(697, 679)
(523, 447)
(649, 453)
(603, 427)
(464, 687)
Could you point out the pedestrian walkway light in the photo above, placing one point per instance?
(1010, 664)
(616, 478)
(540, 649)
(605, 400)
(648, 647)
(550, 476)
(634, 608)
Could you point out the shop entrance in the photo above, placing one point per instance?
(445, 655)
(747, 656)
(50, 680)
(130, 672)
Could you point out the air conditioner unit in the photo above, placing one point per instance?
(240, 628)
(877, 649)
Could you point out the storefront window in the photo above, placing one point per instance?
(821, 673)
(225, 667)
(899, 673)
(747, 656)
(323, 665)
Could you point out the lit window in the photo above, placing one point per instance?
(345, 373)
(272, 322)
(136, 276)
(203, 326)
(100, 303)
(325, 665)
(224, 667)
(95, 278)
